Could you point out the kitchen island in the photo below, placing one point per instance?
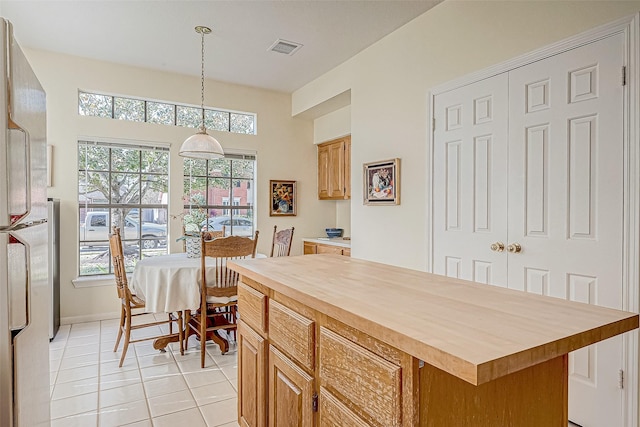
(334, 341)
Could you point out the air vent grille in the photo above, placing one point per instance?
(285, 47)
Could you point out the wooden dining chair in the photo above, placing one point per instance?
(218, 294)
(281, 242)
(130, 302)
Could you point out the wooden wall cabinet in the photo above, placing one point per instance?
(334, 169)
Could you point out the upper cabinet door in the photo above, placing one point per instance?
(334, 169)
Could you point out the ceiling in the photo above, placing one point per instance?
(159, 34)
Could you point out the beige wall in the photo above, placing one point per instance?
(325, 128)
(390, 83)
(284, 146)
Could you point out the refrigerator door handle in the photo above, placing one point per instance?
(18, 275)
(19, 181)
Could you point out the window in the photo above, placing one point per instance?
(124, 185)
(144, 110)
(214, 185)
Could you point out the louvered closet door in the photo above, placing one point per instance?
(470, 187)
(566, 202)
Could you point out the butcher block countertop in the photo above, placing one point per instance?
(472, 331)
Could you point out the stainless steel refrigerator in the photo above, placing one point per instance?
(24, 288)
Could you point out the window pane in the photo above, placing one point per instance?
(242, 222)
(195, 167)
(90, 104)
(93, 157)
(155, 161)
(154, 189)
(93, 187)
(95, 258)
(128, 109)
(216, 120)
(160, 113)
(220, 167)
(125, 188)
(242, 168)
(190, 117)
(125, 159)
(242, 123)
(241, 193)
(194, 191)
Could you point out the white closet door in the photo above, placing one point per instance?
(565, 203)
(470, 188)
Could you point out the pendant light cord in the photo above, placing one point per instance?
(204, 129)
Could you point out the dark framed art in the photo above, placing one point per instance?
(382, 182)
(283, 198)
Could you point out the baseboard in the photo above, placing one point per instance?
(89, 318)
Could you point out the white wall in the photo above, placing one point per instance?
(390, 83)
(284, 147)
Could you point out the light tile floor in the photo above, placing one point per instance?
(151, 389)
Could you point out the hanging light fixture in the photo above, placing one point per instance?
(202, 145)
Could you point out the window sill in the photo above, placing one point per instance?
(93, 281)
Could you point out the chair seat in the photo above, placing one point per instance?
(221, 300)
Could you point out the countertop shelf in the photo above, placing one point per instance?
(334, 241)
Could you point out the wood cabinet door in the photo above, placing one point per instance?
(309, 248)
(323, 172)
(336, 169)
(290, 392)
(251, 377)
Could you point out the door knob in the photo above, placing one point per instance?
(514, 248)
(497, 247)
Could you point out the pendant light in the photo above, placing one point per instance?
(201, 145)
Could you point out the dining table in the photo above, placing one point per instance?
(171, 284)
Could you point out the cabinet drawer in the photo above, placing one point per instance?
(371, 384)
(309, 248)
(252, 306)
(335, 413)
(326, 249)
(292, 333)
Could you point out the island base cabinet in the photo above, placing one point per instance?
(291, 392)
(333, 412)
(251, 377)
(532, 397)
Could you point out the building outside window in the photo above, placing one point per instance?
(214, 185)
(125, 185)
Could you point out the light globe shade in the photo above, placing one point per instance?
(201, 146)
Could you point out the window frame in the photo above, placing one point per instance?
(230, 210)
(86, 242)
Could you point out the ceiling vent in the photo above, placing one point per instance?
(284, 46)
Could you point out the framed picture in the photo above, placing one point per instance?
(283, 198)
(382, 182)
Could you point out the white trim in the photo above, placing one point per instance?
(124, 141)
(94, 281)
(89, 318)
(631, 266)
(630, 27)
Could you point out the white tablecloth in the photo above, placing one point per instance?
(170, 283)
